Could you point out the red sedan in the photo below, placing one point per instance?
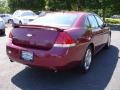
(59, 40)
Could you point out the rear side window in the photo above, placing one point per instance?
(100, 22)
(87, 23)
(93, 21)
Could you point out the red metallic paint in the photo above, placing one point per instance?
(54, 58)
(57, 58)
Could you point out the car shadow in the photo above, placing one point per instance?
(96, 79)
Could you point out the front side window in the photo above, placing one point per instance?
(100, 22)
(92, 21)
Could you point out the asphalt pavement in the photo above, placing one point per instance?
(103, 75)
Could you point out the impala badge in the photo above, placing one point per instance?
(29, 35)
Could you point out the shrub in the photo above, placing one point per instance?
(113, 21)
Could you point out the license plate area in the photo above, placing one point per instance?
(27, 56)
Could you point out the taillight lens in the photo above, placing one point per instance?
(64, 40)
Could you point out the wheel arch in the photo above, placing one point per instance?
(92, 47)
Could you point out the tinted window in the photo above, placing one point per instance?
(87, 24)
(93, 21)
(56, 19)
(100, 22)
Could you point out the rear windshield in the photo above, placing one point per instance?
(55, 19)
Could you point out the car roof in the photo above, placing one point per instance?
(23, 10)
(73, 12)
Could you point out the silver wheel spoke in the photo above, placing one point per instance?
(88, 58)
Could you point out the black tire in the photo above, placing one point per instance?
(85, 64)
(2, 32)
(20, 22)
(10, 21)
(107, 45)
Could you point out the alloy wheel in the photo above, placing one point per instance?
(88, 59)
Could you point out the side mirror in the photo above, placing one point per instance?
(104, 25)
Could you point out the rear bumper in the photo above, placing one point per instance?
(55, 59)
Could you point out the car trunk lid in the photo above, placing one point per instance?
(42, 37)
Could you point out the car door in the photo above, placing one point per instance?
(97, 33)
(104, 29)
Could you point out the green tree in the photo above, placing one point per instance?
(35, 5)
(115, 7)
(104, 8)
(4, 6)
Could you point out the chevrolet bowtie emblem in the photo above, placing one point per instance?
(29, 35)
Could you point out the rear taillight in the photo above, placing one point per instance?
(10, 35)
(64, 40)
